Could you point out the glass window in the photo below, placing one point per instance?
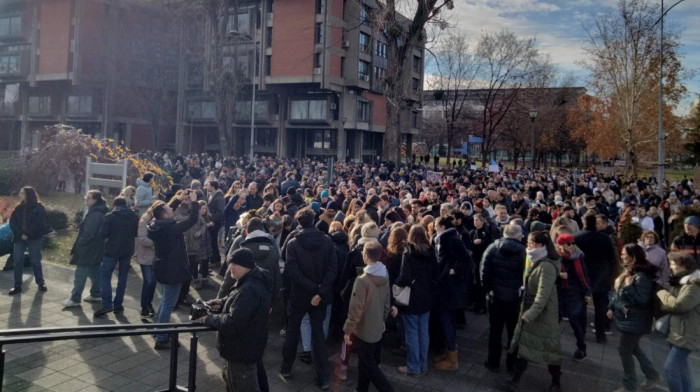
(364, 17)
(362, 111)
(363, 70)
(319, 6)
(299, 110)
(414, 119)
(79, 106)
(416, 64)
(319, 32)
(243, 22)
(9, 64)
(317, 60)
(10, 26)
(201, 110)
(40, 106)
(322, 139)
(415, 85)
(309, 110)
(266, 137)
(208, 110)
(317, 110)
(242, 110)
(380, 50)
(379, 74)
(364, 42)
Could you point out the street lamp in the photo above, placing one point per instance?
(246, 38)
(191, 112)
(533, 115)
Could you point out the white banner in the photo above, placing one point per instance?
(12, 93)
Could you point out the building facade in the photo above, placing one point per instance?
(120, 69)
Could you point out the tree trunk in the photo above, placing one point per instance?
(392, 136)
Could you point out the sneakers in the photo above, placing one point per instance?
(404, 370)
(42, 287)
(579, 355)
(15, 290)
(90, 298)
(341, 373)
(119, 309)
(286, 374)
(649, 384)
(103, 311)
(305, 356)
(607, 331)
(146, 312)
(70, 304)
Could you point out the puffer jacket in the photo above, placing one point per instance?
(89, 247)
(310, 266)
(452, 255)
(502, 269)
(144, 195)
(35, 226)
(682, 301)
(120, 229)
(637, 298)
(538, 339)
(217, 204)
(266, 254)
(418, 271)
(196, 237)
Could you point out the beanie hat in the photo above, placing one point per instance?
(538, 226)
(332, 206)
(243, 257)
(324, 193)
(565, 238)
(692, 220)
(369, 230)
(316, 206)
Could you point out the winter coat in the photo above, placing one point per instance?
(688, 245)
(502, 269)
(452, 255)
(197, 240)
(369, 306)
(89, 247)
(657, 256)
(538, 339)
(483, 234)
(171, 265)
(419, 272)
(145, 251)
(373, 213)
(637, 298)
(266, 254)
(120, 229)
(144, 195)
(600, 258)
(576, 283)
(217, 204)
(232, 216)
(311, 267)
(35, 224)
(682, 302)
(242, 323)
(340, 240)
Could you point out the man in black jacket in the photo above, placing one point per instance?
(216, 204)
(120, 228)
(600, 258)
(242, 324)
(311, 267)
(502, 276)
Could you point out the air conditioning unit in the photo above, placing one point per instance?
(365, 78)
(346, 44)
(334, 106)
(317, 71)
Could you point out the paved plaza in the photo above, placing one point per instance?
(131, 364)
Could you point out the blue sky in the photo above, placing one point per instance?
(558, 26)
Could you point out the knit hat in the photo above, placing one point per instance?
(316, 206)
(369, 230)
(331, 205)
(538, 226)
(692, 220)
(565, 238)
(324, 193)
(243, 257)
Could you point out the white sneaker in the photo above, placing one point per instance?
(70, 304)
(90, 298)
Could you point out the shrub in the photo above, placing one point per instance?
(57, 217)
(8, 177)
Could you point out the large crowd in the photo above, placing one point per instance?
(363, 253)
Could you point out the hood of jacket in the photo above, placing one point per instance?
(100, 207)
(122, 212)
(258, 278)
(445, 235)
(310, 238)
(695, 275)
(510, 247)
(339, 237)
(377, 273)
(140, 182)
(158, 228)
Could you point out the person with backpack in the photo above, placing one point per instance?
(631, 308)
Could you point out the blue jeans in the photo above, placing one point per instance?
(148, 289)
(168, 300)
(677, 370)
(108, 265)
(417, 341)
(83, 272)
(34, 247)
(306, 329)
(447, 319)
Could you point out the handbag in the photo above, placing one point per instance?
(402, 295)
(662, 325)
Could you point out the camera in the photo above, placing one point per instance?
(200, 309)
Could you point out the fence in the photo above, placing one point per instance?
(105, 169)
(35, 335)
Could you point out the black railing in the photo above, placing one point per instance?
(35, 335)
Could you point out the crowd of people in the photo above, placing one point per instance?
(365, 254)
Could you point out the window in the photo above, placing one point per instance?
(201, 110)
(319, 32)
(414, 119)
(364, 17)
(10, 26)
(416, 64)
(309, 110)
(79, 106)
(242, 110)
(243, 22)
(342, 67)
(371, 141)
(415, 85)
(364, 42)
(319, 6)
(363, 70)
(242, 65)
(14, 48)
(379, 73)
(6, 108)
(380, 50)
(362, 111)
(268, 65)
(266, 137)
(9, 64)
(317, 60)
(40, 106)
(322, 139)
(268, 37)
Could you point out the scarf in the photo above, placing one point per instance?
(533, 256)
(578, 269)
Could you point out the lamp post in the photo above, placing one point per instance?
(190, 112)
(533, 115)
(246, 38)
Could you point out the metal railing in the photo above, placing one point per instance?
(35, 335)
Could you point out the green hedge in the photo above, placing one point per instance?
(8, 177)
(57, 217)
